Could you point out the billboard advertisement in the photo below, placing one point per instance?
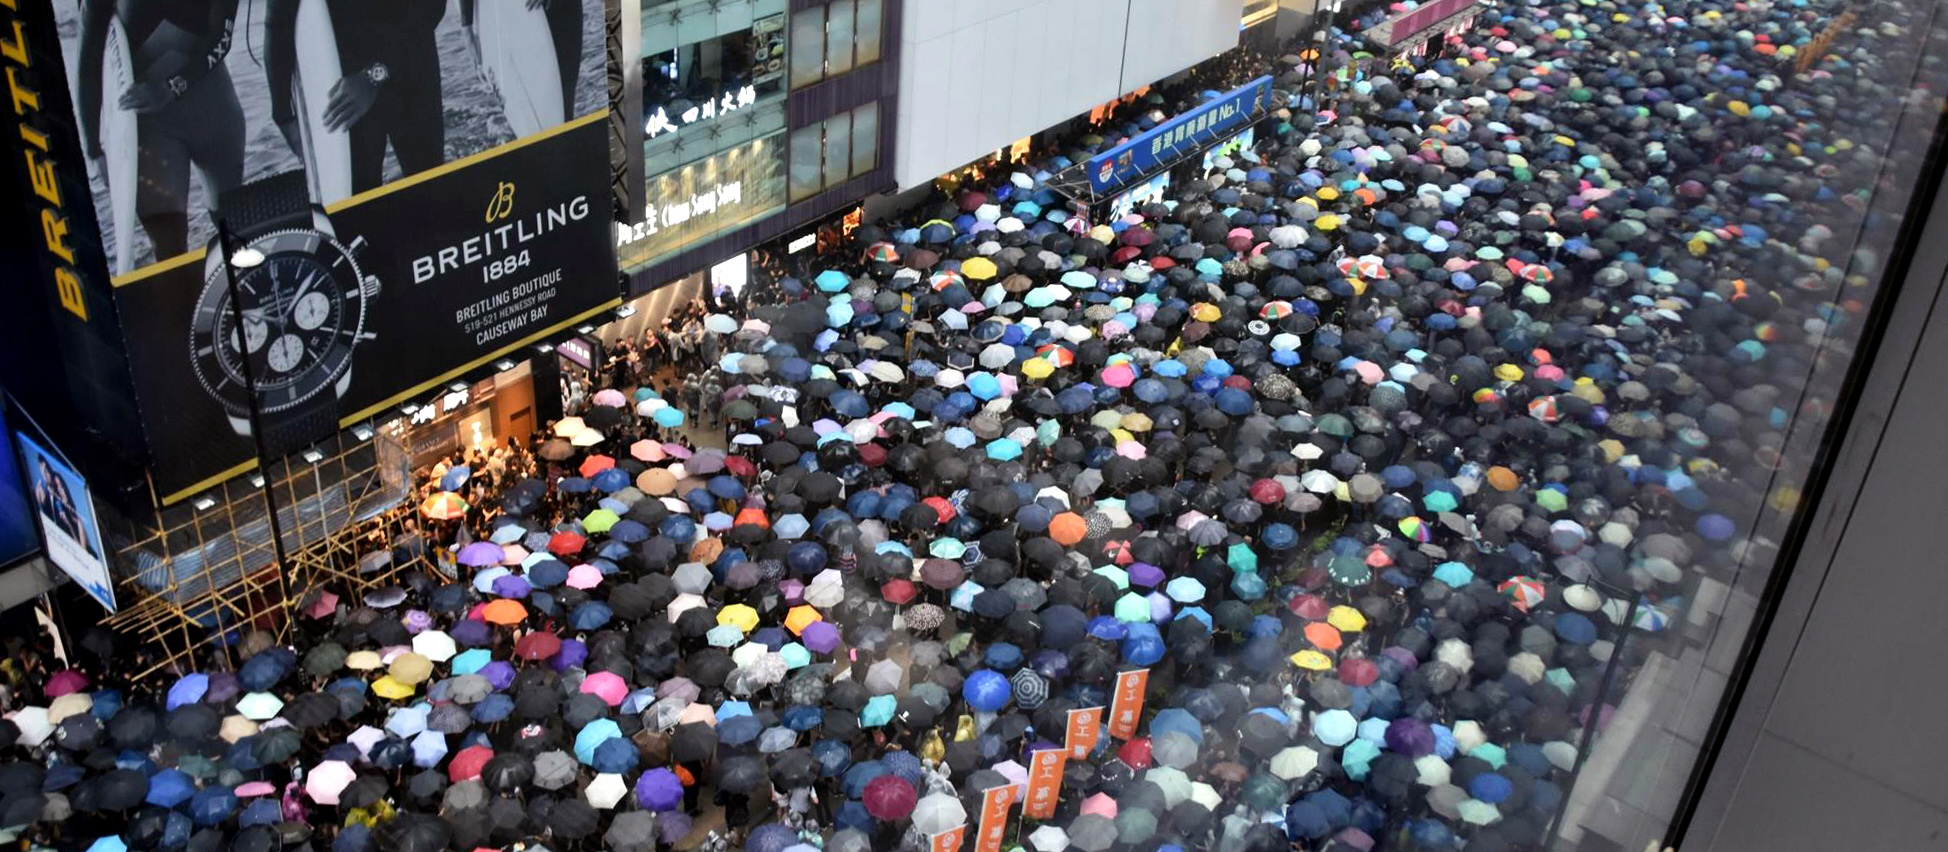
(422, 185)
(1163, 144)
(17, 537)
(67, 518)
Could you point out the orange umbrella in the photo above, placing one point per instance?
(1323, 636)
(596, 464)
(752, 516)
(504, 611)
(444, 506)
(706, 550)
(1068, 528)
(801, 617)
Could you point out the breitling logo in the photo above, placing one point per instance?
(501, 205)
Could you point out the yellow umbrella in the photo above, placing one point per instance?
(741, 616)
(978, 268)
(410, 668)
(388, 688)
(1037, 368)
(600, 521)
(801, 617)
(1311, 660)
(1347, 619)
(363, 661)
(236, 728)
(1205, 312)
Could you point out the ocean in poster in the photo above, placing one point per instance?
(475, 120)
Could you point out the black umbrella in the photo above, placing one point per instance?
(412, 832)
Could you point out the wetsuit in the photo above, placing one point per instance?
(565, 26)
(178, 47)
(392, 39)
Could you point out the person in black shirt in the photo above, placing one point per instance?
(186, 106)
(390, 91)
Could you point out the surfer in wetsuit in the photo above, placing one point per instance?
(564, 26)
(389, 88)
(186, 106)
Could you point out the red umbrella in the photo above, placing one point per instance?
(565, 543)
(1310, 607)
(1358, 671)
(890, 797)
(539, 645)
(898, 590)
(740, 466)
(596, 464)
(1136, 753)
(1267, 491)
(467, 764)
(943, 506)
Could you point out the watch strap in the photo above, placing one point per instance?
(287, 432)
(267, 204)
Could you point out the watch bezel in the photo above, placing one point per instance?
(315, 378)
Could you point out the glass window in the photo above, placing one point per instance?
(867, 32)
(838, 38)
(807, 47)
(838, 149)
(865, 138)
(807, 150)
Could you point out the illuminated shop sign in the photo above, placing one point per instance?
(660, 121)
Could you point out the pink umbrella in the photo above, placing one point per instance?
(1100, 805)
(253, 789)
(677, 450)
(328, 780)
(647, 450)
(65, 682)
(607, 686)
(610, 397)
(584, 576)
(322, 606)
(1119, 375)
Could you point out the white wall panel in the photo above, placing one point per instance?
(979, 74)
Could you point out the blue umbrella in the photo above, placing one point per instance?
(612, 480)
(455, 477)
(429, 748)
(595, 734)
(987, 690)
(493, 708)
(618, 755)
(726, 487)
(590, 615)
(212, 805)
(575, 485)
(169, 788)
(189, 689)
(832, 281)
(668, 418)
(629, 531)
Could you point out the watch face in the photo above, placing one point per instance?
(303, 309)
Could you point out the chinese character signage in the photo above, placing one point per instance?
(1085, 730)
(947, 841)
(994, 817)
(1044, 782)
(1127, 709)
(1159, 146)
(660, 121)
(704, 200)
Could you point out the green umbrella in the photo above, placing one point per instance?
(1241, 557)
(1479, 812)
(1494, 754)
(1439, 501)
(947, 548)
(1048, 432)
(1349, 571)
(1551, 499)
(599, 521)
(1133, 608)
(324, 659)
(1121, 578)
(878, 711)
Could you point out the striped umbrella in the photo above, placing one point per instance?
(884, 252)
(444, 506)
(1030, 688)
(1524, 591)
(1275, 310)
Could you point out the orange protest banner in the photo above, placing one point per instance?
(1044, 782)
(994, 817)
(1127, 709)
(1085, 730)
(949, 840)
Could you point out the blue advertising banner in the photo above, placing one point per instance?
(17, 536)
(1157, 147)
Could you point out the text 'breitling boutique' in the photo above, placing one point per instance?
(397, 211)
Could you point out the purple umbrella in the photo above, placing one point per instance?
(481, 554)
(821, 637)
(512, 586)
(659, 790)
(500, 673)
(1411, 737)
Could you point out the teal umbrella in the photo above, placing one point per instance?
(1133, 608)
(1241, 557)
(878, 711)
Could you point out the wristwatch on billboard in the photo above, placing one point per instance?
(304, 311)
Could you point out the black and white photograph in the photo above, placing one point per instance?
(182, 101)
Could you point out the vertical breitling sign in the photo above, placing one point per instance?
(25, 86)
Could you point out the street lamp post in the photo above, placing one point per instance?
(249, 258)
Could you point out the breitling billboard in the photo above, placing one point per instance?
(410, 188)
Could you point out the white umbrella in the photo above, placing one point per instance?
(1294, 762)
(1172, 781)
(719, 324)
(435, 645)
(327, 780)
(586, 438)
(941, 812)
(1048, 838)
(606, 790)
(1431, 770)
(569, 427)
(33, 724)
